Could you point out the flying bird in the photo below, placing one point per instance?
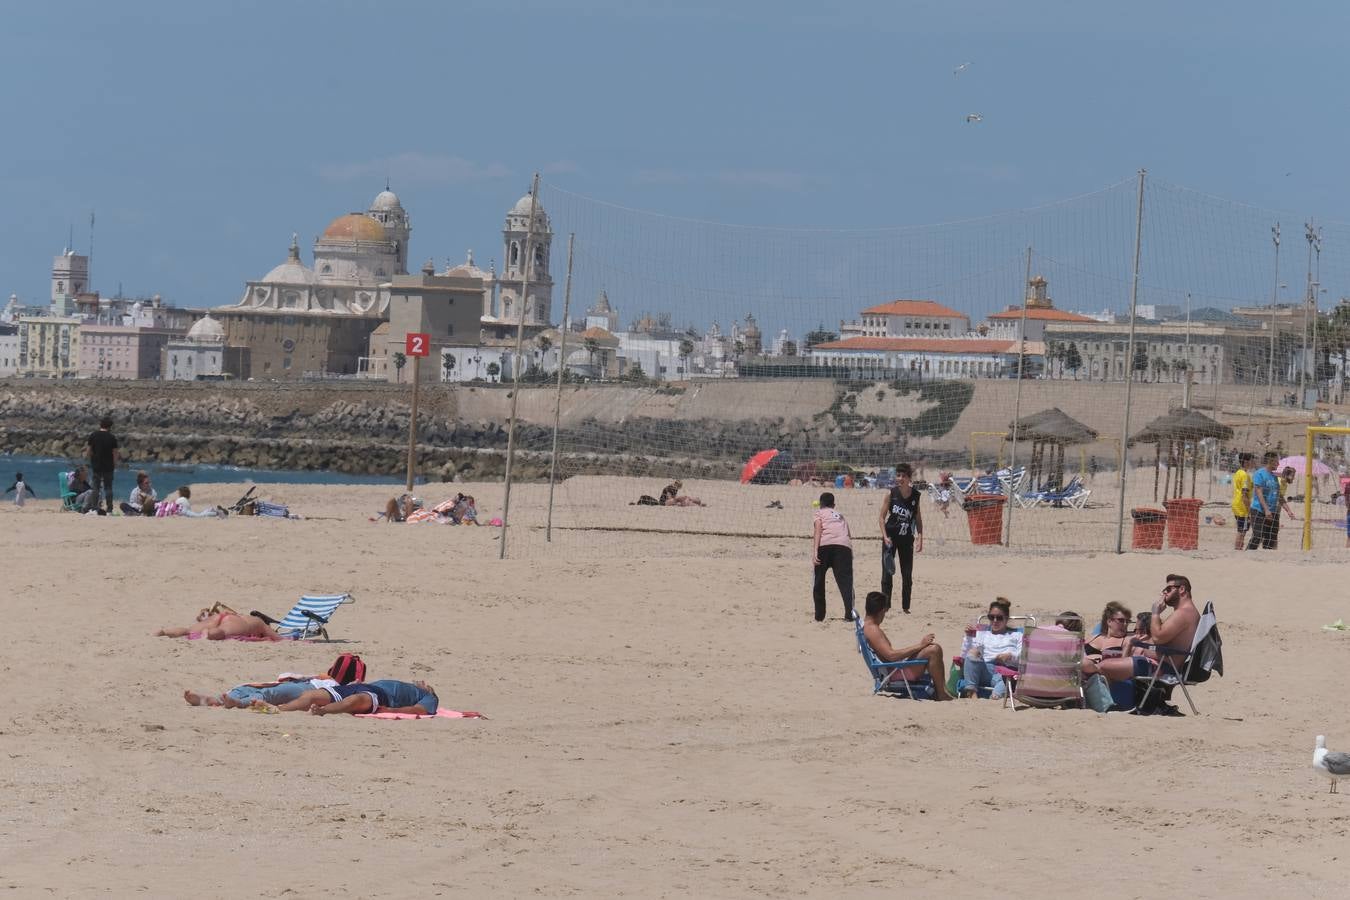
(974, 117)
(1332, 765)
(961, 68)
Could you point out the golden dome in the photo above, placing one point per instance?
(354, 227)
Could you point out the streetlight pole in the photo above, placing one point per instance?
(1314, 236)
(1274, 295)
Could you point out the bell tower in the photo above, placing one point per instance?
(537, 303)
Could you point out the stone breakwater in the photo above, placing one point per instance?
(363, 430)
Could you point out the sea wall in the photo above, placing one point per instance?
(462, 431)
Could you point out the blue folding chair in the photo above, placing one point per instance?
(884, 674)
(67, 495)
(309, 617)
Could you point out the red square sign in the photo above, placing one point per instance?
(419, 344)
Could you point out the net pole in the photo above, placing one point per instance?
(1307, 491)
(557, 397)
(1017, 401)
(525, 272)
(1129, 364)
(412, 423)
(1274, 297)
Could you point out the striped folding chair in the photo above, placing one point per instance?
(308, 618)
(1050, 672)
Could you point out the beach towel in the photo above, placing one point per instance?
(198, 635)
(440, 714)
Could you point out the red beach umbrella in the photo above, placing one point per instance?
(756, 464)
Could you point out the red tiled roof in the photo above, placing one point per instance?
(912, 308)
(918, 345)
(1045, 315)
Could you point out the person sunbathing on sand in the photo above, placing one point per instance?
(347, 668)
(217, 626)
(671, 496)
(413, 698)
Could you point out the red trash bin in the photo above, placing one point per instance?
(1149, 526)
(1183, 522)
(984, 516)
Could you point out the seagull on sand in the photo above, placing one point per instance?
(1334, 766)
(974, 117)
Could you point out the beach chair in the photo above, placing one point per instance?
(67, 495)
(1204, 658)
(1050, 672)
(1012, 480)
(886, 675)
(1007, 673)
(308, 618)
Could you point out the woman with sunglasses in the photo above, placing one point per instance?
(982, 650)
(1110, 640)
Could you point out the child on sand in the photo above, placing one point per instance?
(18, 487)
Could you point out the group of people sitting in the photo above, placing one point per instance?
(460, 509)
(1114, 652)
(142, 501)
(342, 689)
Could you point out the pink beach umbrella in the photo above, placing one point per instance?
(1298, 464)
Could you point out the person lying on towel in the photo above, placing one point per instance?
(219, 623)
(412, 698)
(347, 668)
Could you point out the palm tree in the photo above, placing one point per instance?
(448, 363)
(686, 351)
(399, 362)
(492, 370)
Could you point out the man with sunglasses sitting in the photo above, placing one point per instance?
(1170, 638)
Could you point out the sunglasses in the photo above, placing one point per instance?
(998, 618)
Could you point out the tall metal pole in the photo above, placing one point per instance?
(1274, 296)
(1017, 402)
(412, 424)
(1186, 356)
(526, 265)
(557, 400)
(1311, 234)
(1317, 293)
(1129, 369)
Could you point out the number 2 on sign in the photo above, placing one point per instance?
(418, 344)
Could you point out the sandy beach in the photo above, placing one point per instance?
(664, 718)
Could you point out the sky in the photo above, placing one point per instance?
(203, 135)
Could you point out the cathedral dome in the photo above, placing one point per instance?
(292, 271)
(355, 227)
(205, 330)
(386, 199)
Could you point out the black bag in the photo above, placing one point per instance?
(648, 500)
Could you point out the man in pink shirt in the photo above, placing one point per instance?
(832, 548)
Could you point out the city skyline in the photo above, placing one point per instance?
(198, 181)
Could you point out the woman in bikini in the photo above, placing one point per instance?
(1107, 643)
(220, 622)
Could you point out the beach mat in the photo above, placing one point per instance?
(440, 714)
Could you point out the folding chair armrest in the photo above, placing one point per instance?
(265, 617)
(310, 614)
(902, 664)
(1006, 671)
(1164, 651)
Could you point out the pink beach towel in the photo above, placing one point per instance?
(199, 635)
(440, 714)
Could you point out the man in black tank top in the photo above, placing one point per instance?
(901, 534)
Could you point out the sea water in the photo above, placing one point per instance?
(40, 473)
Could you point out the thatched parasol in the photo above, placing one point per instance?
(1050, 429)
(1181, 430)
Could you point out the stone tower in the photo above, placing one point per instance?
(538, 300)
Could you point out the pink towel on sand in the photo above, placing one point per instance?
(440, 714)
(198, 635)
